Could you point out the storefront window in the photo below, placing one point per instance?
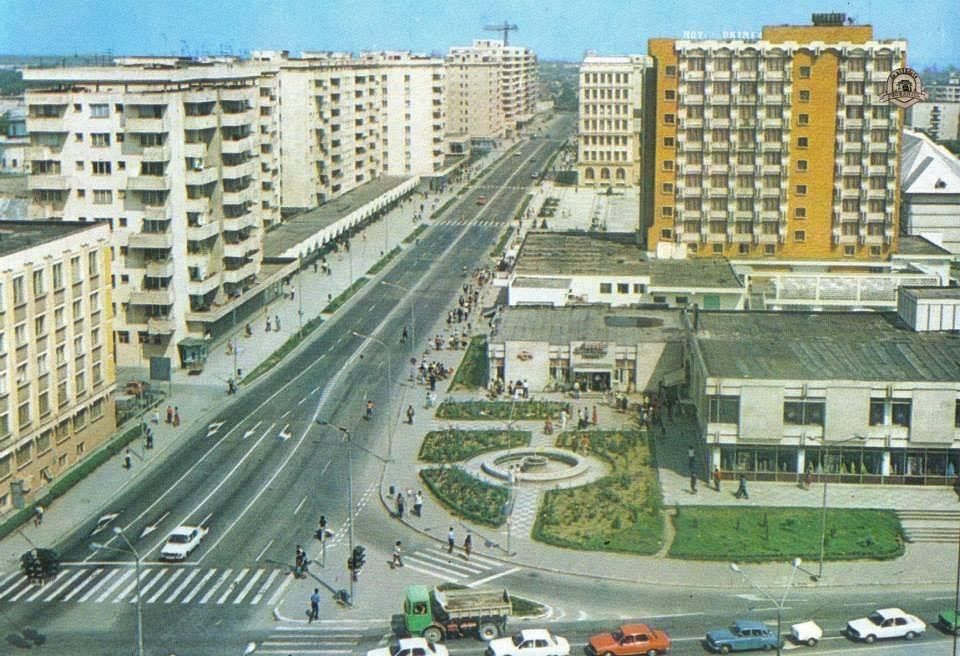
(760, 460)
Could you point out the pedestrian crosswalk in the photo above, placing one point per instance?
(469, 221)
(323, 638)
(453, 567)
(158, 585)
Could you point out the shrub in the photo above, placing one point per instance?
(465, 495)
(454, 445)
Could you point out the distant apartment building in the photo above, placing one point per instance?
(610, 125)
(939, 119)
(179, 159)
(13, 135)
(491, 89)
(948, 91)
(775, 147)
(56, 351)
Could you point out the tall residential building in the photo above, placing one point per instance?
(939, 119)
(175, 156)
(610, 129)
(779, 146)
(56, 351)
(948, 91)
(492, 89)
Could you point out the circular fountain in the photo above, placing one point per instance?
(541, 465)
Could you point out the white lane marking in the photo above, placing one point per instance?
(263, 588)
(250, 431)
(285, 414)
(372, 308)
(43, 586)
(285, 434)
(233, 586)
(199, 586)
(260, 555)
(493, 576)
(65, 584)
(92, 591)
(181, 587)
(84, 583)
(223, 577)
(301, 401)
(165, 586)
(116, 584)
(213, 428)
(692, 614)
(280, 590)
(9, 578)
(315, 390)
(150, 528)
(300, 505)
(249, 586)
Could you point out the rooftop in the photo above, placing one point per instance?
(16, 236)
(949, 293)
(614, 254)
(919, 245)
(928, 168)
(300, 227)
(595, 323)
(869, 346)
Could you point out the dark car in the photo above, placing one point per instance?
(743, 635)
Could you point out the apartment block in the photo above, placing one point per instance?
(610, 127)
(56, 351)
(776, 147)
(939, 119)
(492, 89)
(168, 153)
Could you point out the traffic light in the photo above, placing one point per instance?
(359, 557)
(49, 562)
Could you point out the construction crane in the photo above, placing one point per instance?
(506, 28)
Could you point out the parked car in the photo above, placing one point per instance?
(806, 633)
(482, 200)
(886, 623)
(743, 635)
(949, 621)
(410, 647)
(630, 640)
(529, 642)
(181, 541)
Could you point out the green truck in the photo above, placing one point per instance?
(437, 614)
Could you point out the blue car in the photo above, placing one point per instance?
(743, 635)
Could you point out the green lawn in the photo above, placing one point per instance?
(758, 534)
(473, 369)
(455, 445)
(619, 512)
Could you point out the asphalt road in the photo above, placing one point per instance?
(265, 469)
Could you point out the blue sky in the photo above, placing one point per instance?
(557, 29)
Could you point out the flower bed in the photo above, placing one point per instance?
(472, 372)
(454, 444)
(465, 495)
(619, 512)
(503, 410)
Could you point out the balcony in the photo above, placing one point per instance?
(203, 287)
(201, 205)
(203, 232)
(241, 196)
(240, 249)
(239, 94)
(244, 170)
(239, 275)
(195, 150)
(159, 268)
(46, 124)
(151, 296)
(150, 240)
(47, 181)
(720, 99)
(203, 176)
(156, 154)
(246, 220)
(238, 146)
(148, 183)
(142, 124)
(164, 325)
(205, 122)
(236, 120)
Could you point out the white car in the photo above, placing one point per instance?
(886, 623)
(181, 541)
(530, 642)
(410, 647)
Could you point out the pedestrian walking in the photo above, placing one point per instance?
(716, 479)
(156, 417)
(399, 505)
(467, 545)
(594, 415)
(268, 325)
(299, 562)
(315, 605)
(741, 492)
(149, 438)
(693, 483)
(418, 504)
(127, 460)
(322, 528)
(563, 420)
(169, 414)
(397, 560)
(276, 321)
(691, 457)
(176, 416)
(410, 414)
(451, 540)
(38, 515)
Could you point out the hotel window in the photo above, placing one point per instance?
(803, 142)
(804, 72)
(799, 235)
(19, 292)
(800, 213)
(39, 287)
(695, 111)
(721, 88)
(695, 64)
(668, 119)
(801, 165)
(805, 96)
(670, 71)
(721, 64)
(803, 119)
(669, 94)
(801, 190)
(855, 88)
(57, 271)
(667, 188)
(851, 182)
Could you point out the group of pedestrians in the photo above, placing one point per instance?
(452, 542)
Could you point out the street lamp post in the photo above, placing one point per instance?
(346, 434)
(823, 508)
(413, 303)
(779, 604)
(389, 382)
(136, 557)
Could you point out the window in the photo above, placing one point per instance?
(93, 263)
(23, 419)
(668, 165)
(799, 235)
(804, 72)
(804, 96)
(723, 409)
(668, 142)
(849, 251)
(900, 412)
(801, 190)
(39, 288)
(666, 233)
(666, 211)
(803, 142)
(102, 196)
(956, 415)
(667, 187)
(19, 293)
(606, 288)
(668, 119)
(100, 139)
(99, 111)
(40, 325)
(800, 213)
(640, 289)
(623, 288)
(670, 71)
(57, 271)
(803, 119)
(669, 94)
(802, 165)
(101, 168)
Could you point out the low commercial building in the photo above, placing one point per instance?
(862, 397)
(930, 191)
(56, 351)
(560, 268)
(596, 347)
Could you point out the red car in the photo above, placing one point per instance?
(630, 640)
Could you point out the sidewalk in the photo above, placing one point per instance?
(199, 397)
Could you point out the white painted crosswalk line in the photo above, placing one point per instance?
(181, 587)
(263, 588)
(431, 572)
(233, 586)
(223, 577)
(144, 589)
(65, 585)
(163, 588)
(8, 578)
(133, 584)
(16, 584)
(84, 583)
(116, 584)
(246, 590)
(198, 587)
(451, 561)
(92, 591)
(24, 591)
(44, 588)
